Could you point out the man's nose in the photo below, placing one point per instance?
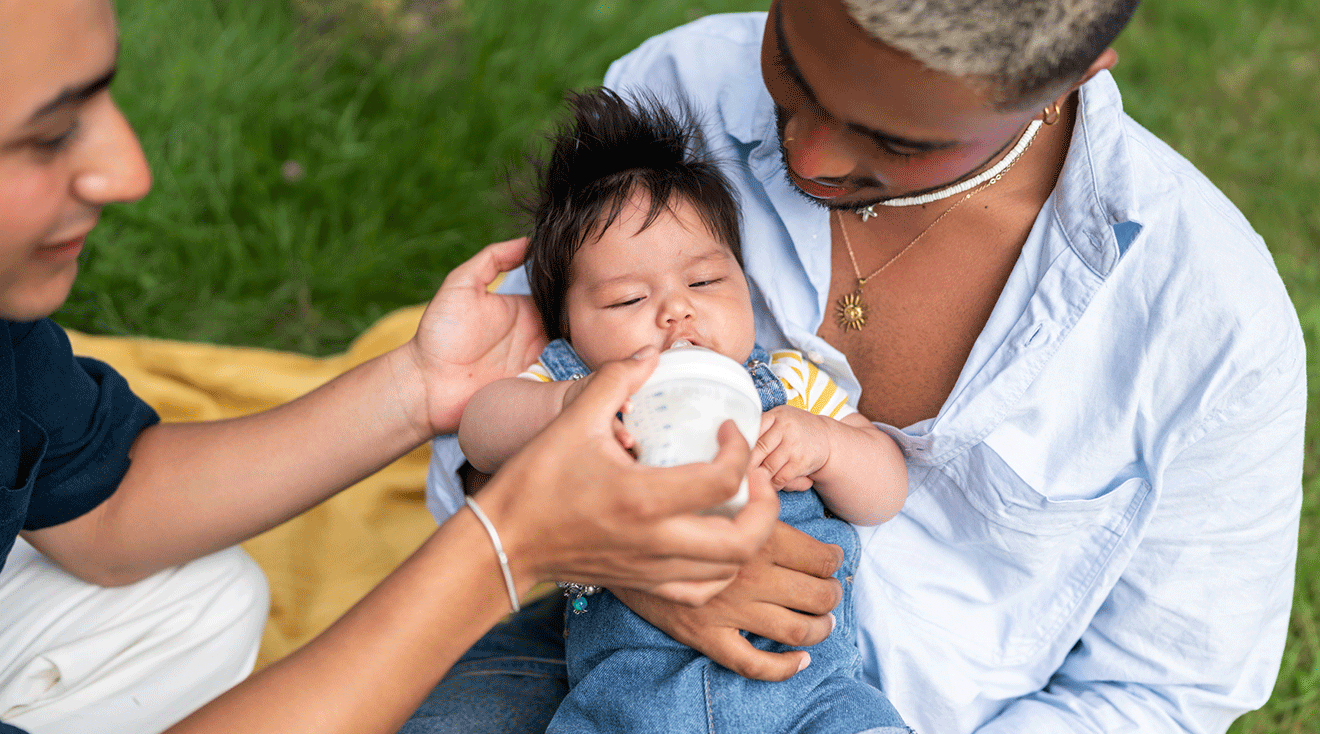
(816, 149)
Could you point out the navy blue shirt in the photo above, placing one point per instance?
(66, 425)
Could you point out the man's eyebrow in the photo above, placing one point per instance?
(71, 96)
(790, 66)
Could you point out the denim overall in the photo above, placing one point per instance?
(625, 675)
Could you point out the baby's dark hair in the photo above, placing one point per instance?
(611, 150)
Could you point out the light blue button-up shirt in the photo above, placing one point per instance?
(1101, 527)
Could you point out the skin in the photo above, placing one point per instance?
(868, 122)
(860, 122)
(638, 287)
(635, 287)
(65, 149)
(573, 505)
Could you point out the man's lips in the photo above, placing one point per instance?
(67, 249)
(817, 189)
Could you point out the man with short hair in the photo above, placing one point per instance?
(1083, 348)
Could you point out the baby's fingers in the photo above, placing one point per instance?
(801, 484)
(770, 439)
(622, 435)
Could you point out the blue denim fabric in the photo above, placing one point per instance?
(510, 682)
(626, 675)
(623, 674)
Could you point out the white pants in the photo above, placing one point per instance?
(75, 657)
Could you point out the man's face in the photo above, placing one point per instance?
(672, 280)
(860, 122)
(65, 150)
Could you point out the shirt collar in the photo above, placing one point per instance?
(1099, 222)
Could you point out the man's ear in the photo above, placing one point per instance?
(1105, 60)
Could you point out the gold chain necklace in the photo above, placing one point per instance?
(850, 310)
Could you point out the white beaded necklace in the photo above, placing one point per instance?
(1023, 142)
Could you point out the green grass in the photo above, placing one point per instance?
(1233, 87)
(407, 150)
(409, 121)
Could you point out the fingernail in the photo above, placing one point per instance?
(644, 352)
(627, 407)
(833, 622)
(806, 660)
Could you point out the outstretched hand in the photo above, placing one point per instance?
(575, 506)
(469, 337)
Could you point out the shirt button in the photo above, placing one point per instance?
(815, 357)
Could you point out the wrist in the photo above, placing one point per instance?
(428, 406)
(568, 391)
(501, 557)
(526, 561)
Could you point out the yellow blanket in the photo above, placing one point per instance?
(322, 562)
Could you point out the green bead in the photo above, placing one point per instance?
(580, 603)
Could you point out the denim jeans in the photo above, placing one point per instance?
(510, 682)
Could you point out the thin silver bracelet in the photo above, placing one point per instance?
(499, 551)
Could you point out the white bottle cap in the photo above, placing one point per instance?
(685, 361)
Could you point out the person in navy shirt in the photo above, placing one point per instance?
(124, 604)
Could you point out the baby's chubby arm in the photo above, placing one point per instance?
(858, 471)
(503, 416)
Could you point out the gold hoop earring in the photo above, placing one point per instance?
(1051, 114)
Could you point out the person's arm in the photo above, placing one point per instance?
(195, 488)
(573, 504)
(503, 416)
(858, 471)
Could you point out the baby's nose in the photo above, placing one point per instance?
(677, 309)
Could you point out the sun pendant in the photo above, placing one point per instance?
(851, 312)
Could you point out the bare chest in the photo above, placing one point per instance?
(923, 314)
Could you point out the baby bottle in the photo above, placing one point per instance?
(679, 409)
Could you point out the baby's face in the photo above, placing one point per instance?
(671, 281)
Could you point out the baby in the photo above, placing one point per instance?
(636, 242)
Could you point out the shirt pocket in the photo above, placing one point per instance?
(981, 557)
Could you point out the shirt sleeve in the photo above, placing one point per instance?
(807, 387)
(90, 418)
(1168, 650)
(537, 373)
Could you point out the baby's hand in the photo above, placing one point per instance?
(794, 444)
(621, 434)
